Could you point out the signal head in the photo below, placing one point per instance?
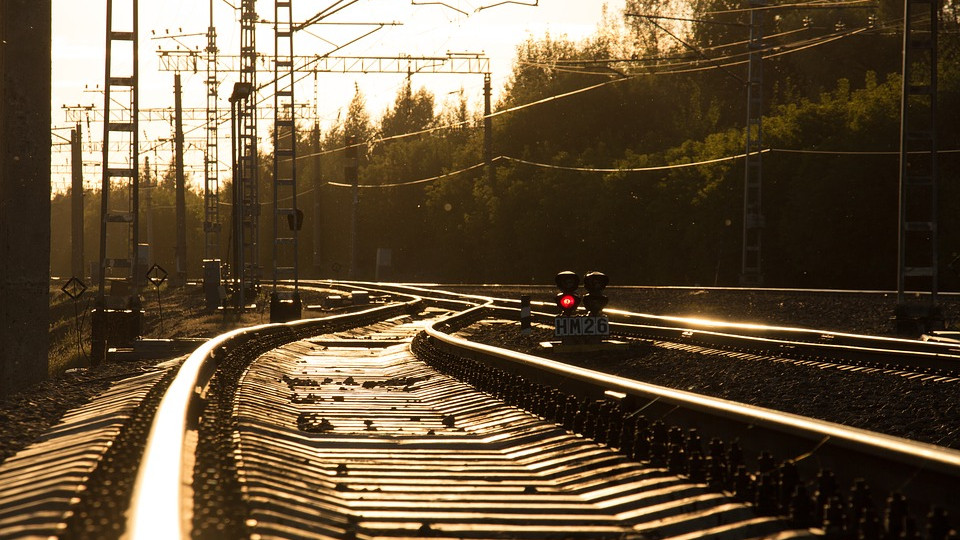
(595, 281)
(567, 281)
(595, 300)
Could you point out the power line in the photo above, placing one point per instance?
(815, 4)
(674, 69)
(855, 152)
(504, 2)
(606, 170)
(334, 8)
(412, 182)
(626, 169)
(443, 4)
(669, 69)
(696, 49)
(548, 166)
(684, 19)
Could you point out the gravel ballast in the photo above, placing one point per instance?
(921, 410)
(924, 411)
(868, 313)
(24, 416)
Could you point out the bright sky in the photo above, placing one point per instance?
(432, 29)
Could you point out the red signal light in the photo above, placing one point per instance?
(568, 299)
(568, 303)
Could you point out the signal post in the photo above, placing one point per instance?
(587, 332)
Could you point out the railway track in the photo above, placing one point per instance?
(383, 423)
(391, 447)
(926, 357)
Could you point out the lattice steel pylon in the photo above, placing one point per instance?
(117, 315)
(451, 63)
(211, 160)
(751, 272)
(918, 253)
(246, 200)
(287, 217)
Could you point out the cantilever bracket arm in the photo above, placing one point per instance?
(444, 4)
(334, 8)
(534, 4)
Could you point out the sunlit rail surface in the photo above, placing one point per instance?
(628, 142)
(386, 423)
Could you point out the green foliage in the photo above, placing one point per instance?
(157, 223)
(830, 218)
(411, 112)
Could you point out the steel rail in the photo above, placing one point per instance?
(420, 290)
(790, 342)
(759, 330)
(784, 333)
(669, 321)
(157, 505)
(444, 299)
(862, 350)
(865, 352)
(440, 459)
(159, 496)
(799, 343)
(922, 472)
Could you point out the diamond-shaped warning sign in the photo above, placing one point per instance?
(73, 288)
(157, 275)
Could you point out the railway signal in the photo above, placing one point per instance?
(567, 299)
(579, 331)
(595, 300)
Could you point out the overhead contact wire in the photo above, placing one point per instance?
(675, 69)
(629, 169)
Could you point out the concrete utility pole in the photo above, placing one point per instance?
(918, 251)
(76, 202)
(242, 169)
(317, 184)
(751, 271)
(181, 255)
(351, 175)
(487, 129)
(24, 192)
(148, 186)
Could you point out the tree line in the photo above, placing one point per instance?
(662, 92)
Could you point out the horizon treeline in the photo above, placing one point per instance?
(665, 93)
